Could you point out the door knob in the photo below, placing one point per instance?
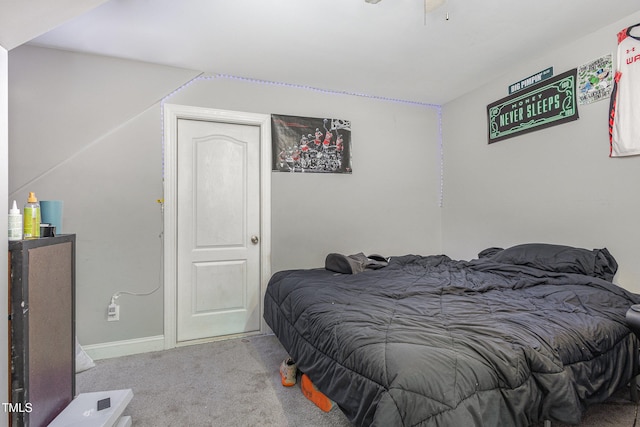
(255, 240)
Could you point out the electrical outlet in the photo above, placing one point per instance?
(113, 312)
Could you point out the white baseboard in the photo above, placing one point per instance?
(112, 349)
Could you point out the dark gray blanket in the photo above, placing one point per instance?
(433, 341)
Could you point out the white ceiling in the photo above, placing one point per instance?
(387, 49)
(21, 21)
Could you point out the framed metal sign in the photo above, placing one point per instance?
(549, 103)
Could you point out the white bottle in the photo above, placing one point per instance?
(15, 223)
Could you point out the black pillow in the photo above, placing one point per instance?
(558, 258)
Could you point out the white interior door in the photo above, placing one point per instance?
(217, 229)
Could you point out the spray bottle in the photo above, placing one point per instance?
(31, 215)
(15, 223)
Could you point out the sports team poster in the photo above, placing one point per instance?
(595, 80)
(307, 144)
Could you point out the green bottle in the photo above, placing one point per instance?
(31, 218)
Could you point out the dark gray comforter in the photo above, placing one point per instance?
(433, 341)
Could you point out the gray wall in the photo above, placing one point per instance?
(556, 185)
(88, 130)
(4, 176)
(388, 205)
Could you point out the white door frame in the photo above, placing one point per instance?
(172, 113)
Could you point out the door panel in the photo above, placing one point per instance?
(214, 286)
(218, 212)
(219, 160)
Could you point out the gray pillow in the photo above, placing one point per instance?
(557, 258)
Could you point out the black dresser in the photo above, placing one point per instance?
(42, 328)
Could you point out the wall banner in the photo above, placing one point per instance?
(308, 144)
(536, 78)
(549, 103)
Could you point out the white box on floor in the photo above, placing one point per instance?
(83, 410)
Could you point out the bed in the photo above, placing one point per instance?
(521, 335)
